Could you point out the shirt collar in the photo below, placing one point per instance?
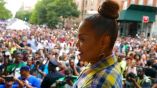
(104, 62)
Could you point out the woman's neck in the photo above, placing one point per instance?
(94, 61)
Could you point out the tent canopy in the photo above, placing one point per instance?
(136, 12)
(17, 24)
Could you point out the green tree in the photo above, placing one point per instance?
(49, 11)
(23, 15)
(39, 14)
(64, 8)
(33, 18)
(4, 13)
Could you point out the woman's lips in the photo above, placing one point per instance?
(80, 53)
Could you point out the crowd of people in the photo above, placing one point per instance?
(38, 57)
(44, 58)
(138, 60)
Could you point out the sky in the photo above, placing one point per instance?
(14, 5)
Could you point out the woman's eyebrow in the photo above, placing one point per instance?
(82, 35)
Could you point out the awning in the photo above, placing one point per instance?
(136, 12)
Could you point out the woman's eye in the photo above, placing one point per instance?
(82, 40)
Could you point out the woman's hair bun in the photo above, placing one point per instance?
(109, 9)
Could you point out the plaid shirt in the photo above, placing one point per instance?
(106, 73)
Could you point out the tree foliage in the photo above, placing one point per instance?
(4, 13)
(50, 11)
(23, 15)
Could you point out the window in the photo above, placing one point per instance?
(85, 4)
(125, 5)
(132, 1)
(92, 3)
(141, 2)
(150, 3)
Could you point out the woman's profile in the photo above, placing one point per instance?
(97, 35)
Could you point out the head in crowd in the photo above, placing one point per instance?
(71, 62)
(25, 72)
(52, 65)
(150, 62)
(29, 62)
(130, 76)
(18, 56)
(80, 63)
(140, 72)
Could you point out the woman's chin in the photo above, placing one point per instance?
(83, 58)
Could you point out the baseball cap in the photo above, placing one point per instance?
(25, 68)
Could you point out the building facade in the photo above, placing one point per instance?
(131, 15)
(88, 7)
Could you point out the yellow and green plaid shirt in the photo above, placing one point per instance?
(104, 74)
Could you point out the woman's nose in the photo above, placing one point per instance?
(77, 44)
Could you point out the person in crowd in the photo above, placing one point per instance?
(26, 79)
(74, 68)
(149, 70)
(5, 62)
(95, 43)
(37, 71)
(14, 68)
(81, 65)
(52, 76)
(138, 81)
(130, 81)
(143, 80)
(131, 66)
(7, 82)
(25, 55)
(30, 63)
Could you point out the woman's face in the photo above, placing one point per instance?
(89, 44)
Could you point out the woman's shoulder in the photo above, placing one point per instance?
(112, 69)
(111, 72)
(109, 76)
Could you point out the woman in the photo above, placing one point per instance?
(97, 35)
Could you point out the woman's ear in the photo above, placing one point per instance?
(105, 41)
